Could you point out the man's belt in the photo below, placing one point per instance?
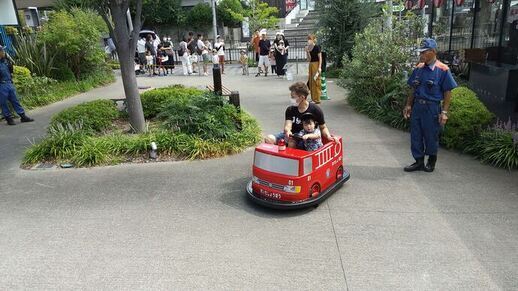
(426, 101)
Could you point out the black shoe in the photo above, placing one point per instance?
(25, 118)
(430, 164)
(10, 121)
(417, 166)
(258, 74)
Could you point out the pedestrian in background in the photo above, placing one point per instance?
(141, 50)
(150, 47)
(183, 52)
(431, 83)
(8, 92)
(255, 45)
(264, 51)
(191, 45)
(314, 56)
(219, 46)
(203, 50)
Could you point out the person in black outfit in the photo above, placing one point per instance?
(264, 51)
(293, 117)
(281, 56)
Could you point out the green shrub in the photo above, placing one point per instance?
(21, 76)
(74, 35)
(154, 101)
(114, 65)
(467, 117)
(386, 108)
(43, 91)
(203, 115)
(63, 73)
(61, 143)
(94, 116)
(35, 84)
(496, 147)
(35, 54)
(11, 30)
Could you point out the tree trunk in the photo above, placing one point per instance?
(125, 42)
(129, 81)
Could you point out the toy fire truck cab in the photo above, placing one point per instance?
(293, 178)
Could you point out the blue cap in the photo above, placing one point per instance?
(427, 44)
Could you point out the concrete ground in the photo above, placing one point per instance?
(188, 225)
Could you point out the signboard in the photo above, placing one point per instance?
(245, 28)
(290, 4)
(8, 13)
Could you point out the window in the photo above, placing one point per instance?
(278, 165)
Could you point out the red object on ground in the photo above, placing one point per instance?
(294, 178)
(459, 2)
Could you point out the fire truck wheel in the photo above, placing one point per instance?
(315, 190)
(339, 173)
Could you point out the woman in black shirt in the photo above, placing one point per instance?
(314, 56)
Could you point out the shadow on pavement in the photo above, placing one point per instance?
(241, 201)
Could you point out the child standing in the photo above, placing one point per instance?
(149, 63)
(271, 57)
(311, 135)
(243, 60)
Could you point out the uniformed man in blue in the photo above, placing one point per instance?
(8, 92)
(427, 105)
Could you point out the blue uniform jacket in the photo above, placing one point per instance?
(6, 69)
(430, 82)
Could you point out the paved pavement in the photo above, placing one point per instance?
(188, 225)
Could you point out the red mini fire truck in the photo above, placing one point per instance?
(292, 178)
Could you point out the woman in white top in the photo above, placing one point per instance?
(219, 46)
(183, 52)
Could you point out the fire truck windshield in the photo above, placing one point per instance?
(278, 165)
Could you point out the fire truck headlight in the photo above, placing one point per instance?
(292, 189)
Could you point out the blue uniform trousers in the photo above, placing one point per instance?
(8, 93)
(424, 128)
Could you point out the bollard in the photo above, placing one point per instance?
(216, 76)
(234, 100)
(323, 87)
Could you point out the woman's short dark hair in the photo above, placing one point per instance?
(300, 88)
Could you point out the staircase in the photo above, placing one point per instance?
(297, 32)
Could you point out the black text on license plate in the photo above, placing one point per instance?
(269, 194)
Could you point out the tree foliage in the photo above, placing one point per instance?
(339, 22)
(230, 12)
(261, 15)
(380, 55)
(159, 12)
(200, 16)
(75, 37)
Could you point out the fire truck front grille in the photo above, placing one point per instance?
(270, 185)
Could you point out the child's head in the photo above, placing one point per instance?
(148, 53)
(243, 52)
(281, 42)
(308, 122)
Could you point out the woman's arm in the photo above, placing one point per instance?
(320, 61)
